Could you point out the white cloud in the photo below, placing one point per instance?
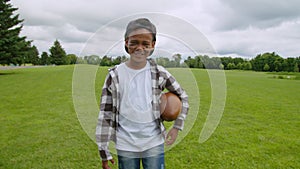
(282, 39)
(234, 14)
(234, 27)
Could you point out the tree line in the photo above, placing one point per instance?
(268, 62)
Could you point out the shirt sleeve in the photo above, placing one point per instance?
(169, 82)
(104, 127)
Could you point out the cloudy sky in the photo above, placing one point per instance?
(232, 28)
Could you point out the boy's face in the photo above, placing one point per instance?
(140, 44)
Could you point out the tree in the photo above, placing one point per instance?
(296, 68)
(231, 66)
(278, 65)
(93, 59)
(45, 59)
(266, 67)
(71, 59)
(34, 56)
(116, 60)
(163, 61)
(198, 62)
(211, 63)
(171, 63)
(177, 58)
(22, 53)
(81, 60)
(12, 46)
(221, 66)
(247, 66)
(285, 65)
(271, 59)
(58, 54)
(106, 61)
(238, 60)
(297, 60)
(290, 64)
(225, 61)
(190, 62)
(239, 66)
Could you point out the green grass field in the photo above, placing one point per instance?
(260, 127)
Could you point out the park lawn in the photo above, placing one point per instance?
(259, 127)
(39, 128)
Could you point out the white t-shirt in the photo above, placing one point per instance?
(138, 130)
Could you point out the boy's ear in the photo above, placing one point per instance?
(153, 44)
(126, 43)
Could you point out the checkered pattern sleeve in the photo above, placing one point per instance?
(169, 82)
(104, 127)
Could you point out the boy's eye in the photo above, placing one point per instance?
(132, 43)
(147, 45)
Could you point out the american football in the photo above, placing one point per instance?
(170, 106)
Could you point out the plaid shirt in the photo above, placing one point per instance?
(110, 103)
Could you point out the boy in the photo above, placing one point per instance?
(129, 109)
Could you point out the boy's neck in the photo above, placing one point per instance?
(136, 65)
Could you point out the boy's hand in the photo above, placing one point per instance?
(105, 164)
(171, 136)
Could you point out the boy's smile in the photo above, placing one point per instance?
(140, 44)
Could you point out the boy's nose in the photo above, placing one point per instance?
(140, 47)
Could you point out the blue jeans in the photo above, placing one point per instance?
(153, 158)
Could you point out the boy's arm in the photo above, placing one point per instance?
(105, 120)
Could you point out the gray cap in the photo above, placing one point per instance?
(138, 24)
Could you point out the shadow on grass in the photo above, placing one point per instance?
(7, 73)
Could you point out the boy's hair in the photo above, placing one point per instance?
(138, 24)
